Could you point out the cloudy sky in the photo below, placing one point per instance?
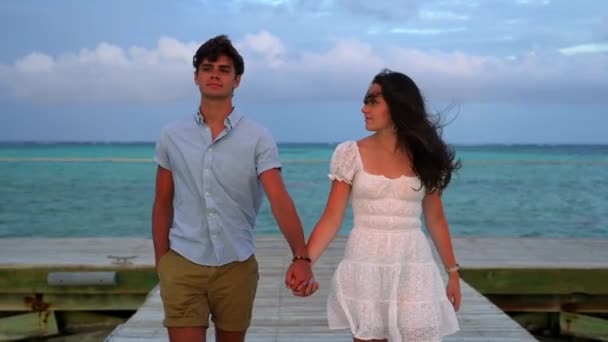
(507, 71)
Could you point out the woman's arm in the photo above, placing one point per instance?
(437, 225)
(325, 230)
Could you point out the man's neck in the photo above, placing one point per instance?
(215, 112)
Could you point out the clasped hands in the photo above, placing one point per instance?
(300, 279)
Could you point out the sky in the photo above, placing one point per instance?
(500, 71)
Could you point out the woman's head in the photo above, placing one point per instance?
(394, 102)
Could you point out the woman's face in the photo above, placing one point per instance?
(375, 110)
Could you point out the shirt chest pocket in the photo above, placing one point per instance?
(235, 170)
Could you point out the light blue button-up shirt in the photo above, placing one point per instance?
(217, 190)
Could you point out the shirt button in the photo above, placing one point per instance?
(210, 149)
(207, 193)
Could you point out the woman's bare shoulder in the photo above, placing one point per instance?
(366, 142)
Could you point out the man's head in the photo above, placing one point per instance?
(213, 48)
(217, 67)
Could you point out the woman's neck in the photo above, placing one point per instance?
(387, 139)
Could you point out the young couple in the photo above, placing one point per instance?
(213, 169)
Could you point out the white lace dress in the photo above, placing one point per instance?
(388, 284)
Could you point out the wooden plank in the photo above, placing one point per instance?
(88, 336)
(71, 301)
(583, 326)
(471, 252)
(28, 325)
(86, 252)
(545, 253)
(25, 280)
(538, 281)
(577, 302)
(78, 321)
(532, 321)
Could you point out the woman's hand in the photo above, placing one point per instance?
(303, 289)
(453, 290)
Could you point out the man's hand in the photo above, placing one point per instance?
(299, 278)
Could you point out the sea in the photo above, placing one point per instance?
(107, 189)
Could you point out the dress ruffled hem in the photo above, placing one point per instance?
(405, 322)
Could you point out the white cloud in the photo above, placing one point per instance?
(534, 2)
(383, 10)
(35, 62)
(427, 31)
(108, 74)
(584, 49)
(111, 74)
(262, 45)
(443, 15)
(104, 54)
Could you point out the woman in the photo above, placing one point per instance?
(388, 284)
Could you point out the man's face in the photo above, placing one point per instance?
(218, 79)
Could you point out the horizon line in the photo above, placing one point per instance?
(122, 142)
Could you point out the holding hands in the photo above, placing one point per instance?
(300, 279)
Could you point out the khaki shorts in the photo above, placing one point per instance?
(191, 292)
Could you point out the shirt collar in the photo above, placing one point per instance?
(231, 120)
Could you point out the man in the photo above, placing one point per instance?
(212, 171)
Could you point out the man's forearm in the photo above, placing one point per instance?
(287, 218)
(162, 217)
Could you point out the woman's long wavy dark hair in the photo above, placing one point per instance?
(418, 133)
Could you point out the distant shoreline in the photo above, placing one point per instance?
(308, 144)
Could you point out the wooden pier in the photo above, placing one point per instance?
(280, 316)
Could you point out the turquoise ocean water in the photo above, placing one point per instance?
(82, 190)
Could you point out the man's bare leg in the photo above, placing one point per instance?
(229, 336)
(188, 334)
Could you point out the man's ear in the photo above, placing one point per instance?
(195, 77)
(237, 81)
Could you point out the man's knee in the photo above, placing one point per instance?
(187, 334)
(229, 336)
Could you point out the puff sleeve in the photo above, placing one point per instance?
(344, 162)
